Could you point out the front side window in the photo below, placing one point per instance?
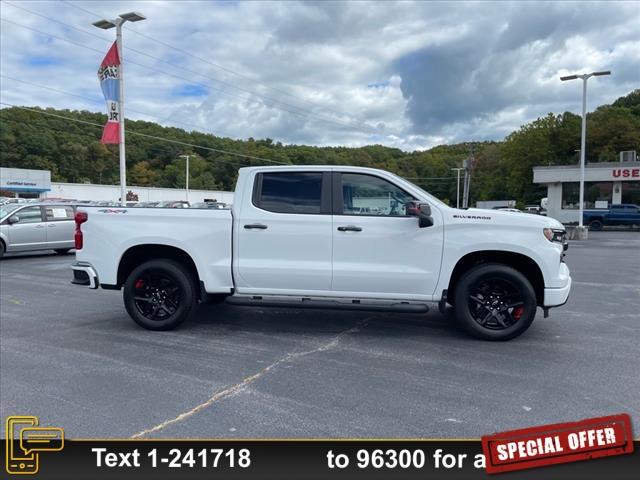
(29, 215)
(370, 195)
(290, 192)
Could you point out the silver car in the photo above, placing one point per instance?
(40, 226)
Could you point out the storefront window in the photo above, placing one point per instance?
(570, 195)
(631, 192)
(598, 192)
(593, 192)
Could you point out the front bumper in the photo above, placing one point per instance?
(84, 275)
(554, 297)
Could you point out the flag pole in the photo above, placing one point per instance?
(123, 163)
(106, 25)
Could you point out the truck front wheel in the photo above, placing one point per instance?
(159, 294)
(495, 302)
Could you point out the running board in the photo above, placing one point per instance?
(399, 307)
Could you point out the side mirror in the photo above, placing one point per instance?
(13, 219)
(422, 211)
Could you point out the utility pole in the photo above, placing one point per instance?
(186, 182)
(467, 164)
(457, 169)
(106, 25)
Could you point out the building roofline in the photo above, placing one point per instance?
(590, 165)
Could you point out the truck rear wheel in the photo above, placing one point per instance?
(495, 302)
(159, 294)
(595, 225)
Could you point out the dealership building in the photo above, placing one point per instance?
(605, 184)
(25, 183)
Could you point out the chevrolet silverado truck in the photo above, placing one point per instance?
(620, 214)
(329, 237)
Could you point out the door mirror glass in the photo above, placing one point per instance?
(13, 219)
(422, 211)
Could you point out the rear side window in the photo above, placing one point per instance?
(290, 192)
(56, 213)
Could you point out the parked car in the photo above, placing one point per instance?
(506, 209)
(174, 204)
(42, 226)
(147, 204)
(620, 214)
(214, 205)
(535, 209)
(293, 239)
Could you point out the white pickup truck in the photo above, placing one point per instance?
(327, 237)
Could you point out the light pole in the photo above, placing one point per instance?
(106, 25)
(458, 188)
(186, 176)
(583, 139)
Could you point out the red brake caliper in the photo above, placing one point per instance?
(139, 283)
(517, 313)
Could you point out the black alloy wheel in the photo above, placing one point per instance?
(494, 302)
(157, 295)
(160, 294)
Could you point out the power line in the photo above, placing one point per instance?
(310, 113)
(251, 157)
(221, 67)
(195, 127)
(178, 76)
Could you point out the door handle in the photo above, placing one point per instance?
(349, 228)
(257, 226)
(51, 225)
(39, 226)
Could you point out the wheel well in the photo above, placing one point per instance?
(143, 253)
(599, 219)
(525, 265)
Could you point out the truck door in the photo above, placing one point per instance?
(378, 250)
(284, 234)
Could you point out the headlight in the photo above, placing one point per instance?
(555, 235)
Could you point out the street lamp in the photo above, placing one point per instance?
(186, 176)
(458, 188)
(106, 25)
(584, 78)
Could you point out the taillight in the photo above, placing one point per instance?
(80, 218)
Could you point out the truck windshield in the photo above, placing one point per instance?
(423, 191)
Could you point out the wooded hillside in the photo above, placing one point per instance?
(503, 170)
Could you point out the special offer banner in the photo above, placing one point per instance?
(587, 449)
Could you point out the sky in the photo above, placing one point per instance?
(402, 74)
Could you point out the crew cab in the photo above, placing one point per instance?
(330, 237)
(619, 214)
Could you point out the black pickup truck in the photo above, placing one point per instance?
(621, 214)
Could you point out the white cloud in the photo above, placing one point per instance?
(408, 75)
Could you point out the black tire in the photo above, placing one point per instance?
(1, 249)
(62, 251)
(160, 294)
(495, 302)
(595, 225)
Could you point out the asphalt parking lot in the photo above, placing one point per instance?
(74, 358)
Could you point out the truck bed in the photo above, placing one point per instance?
(204, 234)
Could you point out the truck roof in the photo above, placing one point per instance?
(311, 167)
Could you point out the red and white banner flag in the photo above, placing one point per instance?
(109, 76)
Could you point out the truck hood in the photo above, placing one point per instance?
(500, 217)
